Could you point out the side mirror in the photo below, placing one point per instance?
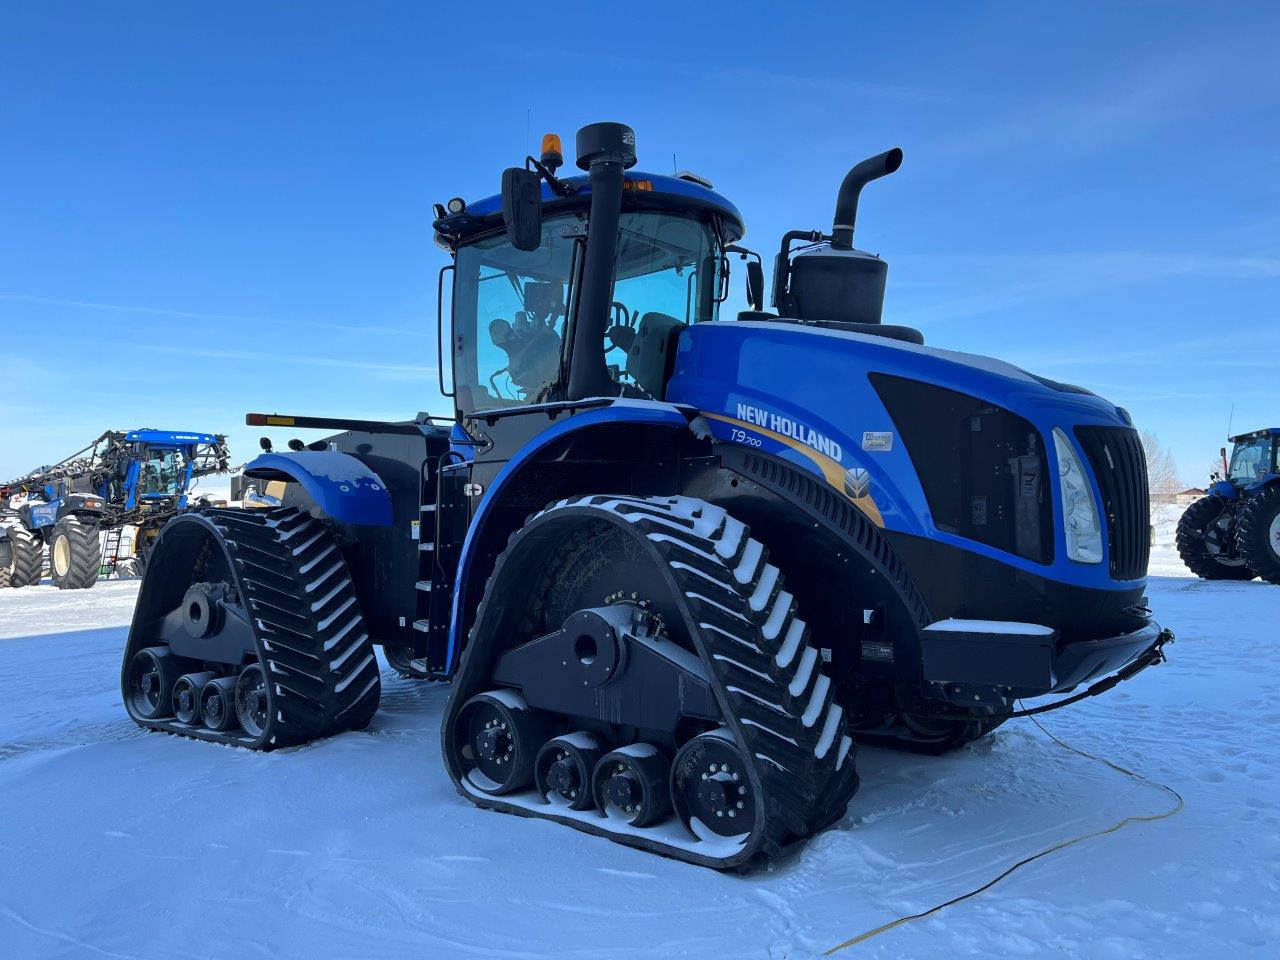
(522, 207)
(755, 285)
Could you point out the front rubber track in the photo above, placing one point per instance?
(309, 633)
(768, 677)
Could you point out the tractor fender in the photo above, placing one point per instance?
(1224, 489)
(471, 573)
(1262, 483)
(343, 487)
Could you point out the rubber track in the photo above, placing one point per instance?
(85, 553)
(769, 678)
(310, 633)
(28, 559)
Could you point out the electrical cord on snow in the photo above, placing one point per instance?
(1115, 827)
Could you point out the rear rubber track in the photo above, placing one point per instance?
(310, 635)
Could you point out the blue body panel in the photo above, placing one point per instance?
(1224, 489)
(743, 375)
(342, 486)
(45, 514)
(621, 411)
(169, 438)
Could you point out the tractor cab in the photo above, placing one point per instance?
(1253, 457)
(650, 250)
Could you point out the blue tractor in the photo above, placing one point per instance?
(676, 565)
(1233, 533)
(138, 478)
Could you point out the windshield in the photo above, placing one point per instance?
(158, 475)
(510, 306)
(1250, 460)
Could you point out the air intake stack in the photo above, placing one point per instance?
(834, 282)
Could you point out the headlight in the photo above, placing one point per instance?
(1079, 515)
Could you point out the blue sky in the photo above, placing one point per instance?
(207, 209)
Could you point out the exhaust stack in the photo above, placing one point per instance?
(873, 168)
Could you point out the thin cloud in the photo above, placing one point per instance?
(218, 317)
(1011, 280)
(406, 371)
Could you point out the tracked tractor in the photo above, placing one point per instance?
(1233, 533)
(133, 478)
(675, 564)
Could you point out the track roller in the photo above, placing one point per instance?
(711, 789)
(251, 701)
(563, 769)
(501, 736)
(630, 784)
(186, 696)
(152, 673)
(217, 704)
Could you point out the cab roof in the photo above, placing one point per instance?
(648, 189)
(1264, 432)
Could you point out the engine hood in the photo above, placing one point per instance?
(806, 395)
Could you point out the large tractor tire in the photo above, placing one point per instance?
(75, 553)
(248, 632)
(27, 560)
(1258, 534)
(638, 670)
(1207, 544)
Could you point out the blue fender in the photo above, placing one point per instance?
(342, 486)
(620, 411)
(1262, 483)
(1224, 489)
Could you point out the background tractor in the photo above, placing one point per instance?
(1233, 532)
(138, 478)
(675, 565)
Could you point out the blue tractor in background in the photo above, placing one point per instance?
(138, 478)
(676, 565)
(1233, 532)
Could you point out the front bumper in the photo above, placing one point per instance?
(988, 663)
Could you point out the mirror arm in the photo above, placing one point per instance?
(558, 186)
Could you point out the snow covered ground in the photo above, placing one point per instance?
(118, 843)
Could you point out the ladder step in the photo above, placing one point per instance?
(428, 508)
(423, 625)
(426, 546)
(424, 585)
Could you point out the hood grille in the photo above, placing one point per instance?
(1120, 468)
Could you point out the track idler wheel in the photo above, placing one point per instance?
(502, 737)
(630, 784)
(218, 704)
(153, 671)
(562, 771)
(711, 788)
(186, 696)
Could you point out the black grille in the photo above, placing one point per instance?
(1115, 454)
